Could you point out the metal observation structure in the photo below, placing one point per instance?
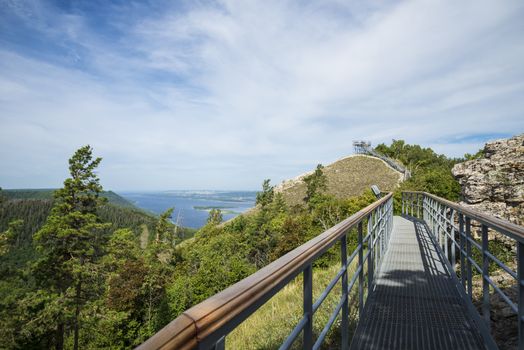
(364, 147)
(408, 283)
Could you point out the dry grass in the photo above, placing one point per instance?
(270, 325)
(347, 177)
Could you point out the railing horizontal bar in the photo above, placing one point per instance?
(380, 233)
(354, 278)
(475, 264)
(502, 265)
(494, 259)
(475, 243)
(294, 334)
(367, 255)
(328, 325)
(328, 289)
(502, 294)
(491, 256)
(503, 226)
(354, 254)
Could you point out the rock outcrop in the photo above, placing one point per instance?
(494, 184)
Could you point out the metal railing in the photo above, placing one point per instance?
(451, 225)
(364, 147)
(206, 325)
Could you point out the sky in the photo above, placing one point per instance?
(223, 94)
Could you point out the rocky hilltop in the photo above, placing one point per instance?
(347, 177)
(494, 184)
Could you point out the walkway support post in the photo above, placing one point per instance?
(361, 272)
(308, 307)
(520, 276)
(345, 308)
(485, 276)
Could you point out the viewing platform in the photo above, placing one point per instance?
(410, 279)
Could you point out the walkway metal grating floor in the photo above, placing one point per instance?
(415, 304)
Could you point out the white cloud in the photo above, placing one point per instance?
(224, 95)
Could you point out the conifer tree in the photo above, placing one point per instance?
(70, 244)
(159, 263)
(316, 183)
(265, 197)
(215, 217)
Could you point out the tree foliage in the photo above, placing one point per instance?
(70, 245)
(316, 183)
(265, 197)
(215, 217)
(430, 172)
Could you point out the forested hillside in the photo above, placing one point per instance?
(77, 272)
(34, 206)
(47, 193)
(430, 171)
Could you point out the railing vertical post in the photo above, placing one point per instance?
(371, 252)
(520, 283)
(424, 214)
(220, 344)
(468, 256)
(434, 221)
(403, 195)
(308, 306)
(380, 233)
(453, 240)
(361, 273)
(485, 275)
(462, 260)
(418, 205)
(345, 308)
(445, 231)
(411, 203)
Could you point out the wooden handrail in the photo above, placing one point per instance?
(503, 226)
(221, 312)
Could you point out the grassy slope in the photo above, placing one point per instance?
(285, 311)
(347, 177)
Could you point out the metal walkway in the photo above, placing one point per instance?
(415, 304)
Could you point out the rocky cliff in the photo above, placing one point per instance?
(494, 184)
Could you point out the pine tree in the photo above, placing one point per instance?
(316, 183)
(11, 237)
(214, 217)
(159, 263)
(70, 244)
(265, 197)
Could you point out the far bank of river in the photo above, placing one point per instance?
(192, 207)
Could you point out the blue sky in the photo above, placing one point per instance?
(222, 94)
